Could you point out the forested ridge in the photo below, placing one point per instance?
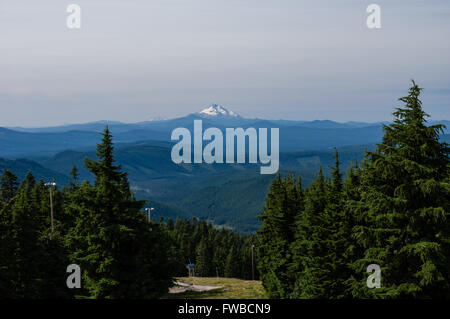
(103, 229)
(215, 251)
(99, 227)
(391, 210)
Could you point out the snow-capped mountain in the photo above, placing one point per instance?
(217, 111)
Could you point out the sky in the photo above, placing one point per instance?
(136, 60)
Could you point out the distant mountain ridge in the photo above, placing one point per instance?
(294, 135)
(226, 194)
(213, 112)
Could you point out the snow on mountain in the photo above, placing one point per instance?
(216, 111)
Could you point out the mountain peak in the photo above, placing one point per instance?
(216, 111)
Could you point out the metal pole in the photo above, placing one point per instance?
(253, 267)
(51, 208)
(149, 212)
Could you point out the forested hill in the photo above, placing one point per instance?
(383, 232)
(21, 167)
(230, 195)
(293, 136)
(324, 227)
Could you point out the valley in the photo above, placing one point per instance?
(206, 191)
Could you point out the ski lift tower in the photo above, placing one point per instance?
(191, 271)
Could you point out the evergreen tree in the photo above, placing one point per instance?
(8, 186)
(283, 204)
(74, 174)
(353, 251)
(120, 254)
(24, 249)
(54, 252)
(340, 233)
(8, 189)
(311, 250)
(232, 265)
(403, 214)
(321, 250)
(221, 244)
(203, 261)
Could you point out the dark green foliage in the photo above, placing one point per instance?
(74, 174)
(99, 227)
(204, 260)
(232, 263)
(21, 167)
(230, 196)
(21, 246)
(404, 209)
(8, 189)
(8, 186)
(33, 261)
(284, 202)
(392, 211)
(312, 250)
(121, 255)
(214, 251)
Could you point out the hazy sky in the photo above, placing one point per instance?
(135, 60)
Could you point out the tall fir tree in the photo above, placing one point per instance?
(283, 205)
(120, 254)
(25, 251)
(403, 215)
(232, 263)
(203, 261)
(8, 190)
(8, 186)
(339, 243)
(311, 250)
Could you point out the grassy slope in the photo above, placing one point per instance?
(232, 289)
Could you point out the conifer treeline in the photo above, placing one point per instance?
(99, 227)
(103, 229)
(214, 251)
(393, 211)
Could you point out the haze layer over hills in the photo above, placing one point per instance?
(227, 194)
